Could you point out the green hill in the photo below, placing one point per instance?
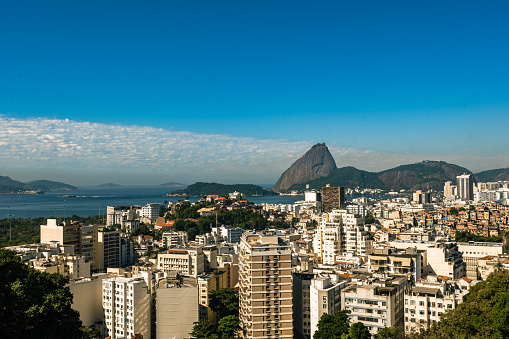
(200, 189)
(347, 177)
(501, 174)
(8, 185)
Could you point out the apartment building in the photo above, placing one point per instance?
(177, 307)
(340, 234)
(473, 251)
(189, 261)
(302, 305)
(430, 298)
(89, 243)
(108, 248)
(150, 211)
(409, 262)
(63, 232)
(120, 215)
(127, 307)
(265, 292)
(375, 301)
(174, 239)
(206, 284)
(325, 298)
(465, 185)
(333, 198)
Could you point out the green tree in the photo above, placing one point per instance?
(34, 304)
(333, 327)
(228, 327)
(357, 331)
(204, 329)
(225, 302)
(390, 333)
(483, 314)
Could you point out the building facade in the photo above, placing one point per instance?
(265, 292)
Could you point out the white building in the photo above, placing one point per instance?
(431, 298)
(325, 298)
(228, 234)
(340, 233)
(126, 306)
(375, 302)
(188, 261)
(237, 196)
(465, 184)
(150, 211)
(174, 239)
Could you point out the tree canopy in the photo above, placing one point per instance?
(225, 302)
(333, 326)
(483, 314)
(34, 304)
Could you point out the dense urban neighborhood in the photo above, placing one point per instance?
(223, 267)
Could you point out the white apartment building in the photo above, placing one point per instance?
(431, 298)
(237, 196)
(375, 302)
(325, 298)
(408, 262)
(473, 251)
(126, 306)
(150, 211)
(450, 190)
(188, 261)
(120, 215)
(174, 239)
(340, 233)
(265, 286)
(465, 185)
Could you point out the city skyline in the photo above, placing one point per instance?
(230, 92)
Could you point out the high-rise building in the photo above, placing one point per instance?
(65, 233)
(465, 185)
(177, 307)
(325, 298)
(333, 198)
(265, 293)
(301, 305)
(108, 249)
(126, 306)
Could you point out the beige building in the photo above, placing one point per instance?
(265, 279)
(176, 307)
(206, 284)
(375, 302)
(189, 261)
(63, 232)
(108, 248)
(87, 298)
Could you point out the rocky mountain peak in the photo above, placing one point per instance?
(314, 164)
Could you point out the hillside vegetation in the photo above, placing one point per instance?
(201, 189)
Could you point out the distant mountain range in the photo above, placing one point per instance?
(201, 189)
(8, 185)
(424, 175)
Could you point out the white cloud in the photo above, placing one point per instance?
(66, 146)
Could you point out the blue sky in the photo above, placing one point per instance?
(381, 83)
